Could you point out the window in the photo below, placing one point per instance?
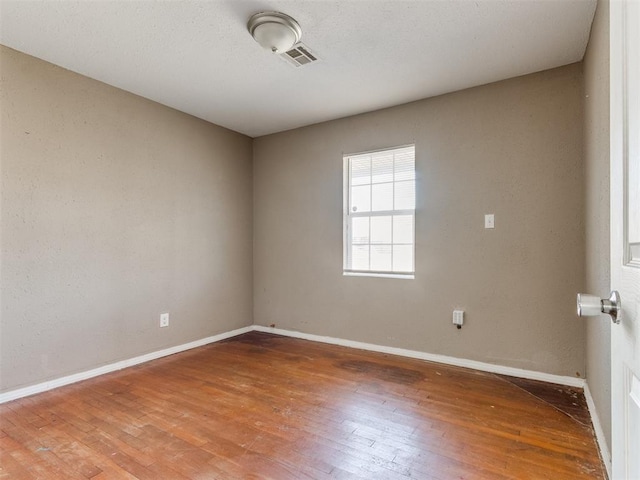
(379, 212)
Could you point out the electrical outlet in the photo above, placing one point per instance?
(164, 319)
(458, 318)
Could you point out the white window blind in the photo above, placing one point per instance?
(379, 212)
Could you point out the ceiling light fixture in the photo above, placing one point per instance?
(274, 31)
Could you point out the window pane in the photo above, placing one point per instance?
(382, 167)
(381, 193)
(361, 198)
(405, 165)
(360, 170)
(405, 195)
(360, 257)
(360, 230)
(403, 258)
(381, 258)
(380, 229)
(403, 229)
(382, 197)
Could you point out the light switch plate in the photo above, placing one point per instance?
(489, 221)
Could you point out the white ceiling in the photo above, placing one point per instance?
(197, 56)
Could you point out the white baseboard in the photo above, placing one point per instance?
(431, 357)
(459, 362)
(597, 427)
(112, 367)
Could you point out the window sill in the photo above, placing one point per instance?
(404, 276)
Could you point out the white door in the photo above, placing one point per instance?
(625, 236)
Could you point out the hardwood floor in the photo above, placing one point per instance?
(263, 406)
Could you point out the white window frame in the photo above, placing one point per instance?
(347, 215)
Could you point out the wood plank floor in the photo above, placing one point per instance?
(263, 406)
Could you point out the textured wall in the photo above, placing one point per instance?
(512, 148)
(596, 81)
(114, 209)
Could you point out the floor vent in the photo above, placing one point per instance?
(299, 56)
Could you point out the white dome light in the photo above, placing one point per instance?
(274, 31)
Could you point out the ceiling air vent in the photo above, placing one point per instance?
(299, 56)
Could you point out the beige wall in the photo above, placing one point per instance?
(596, 80)
(114, 209)
(512, 148)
